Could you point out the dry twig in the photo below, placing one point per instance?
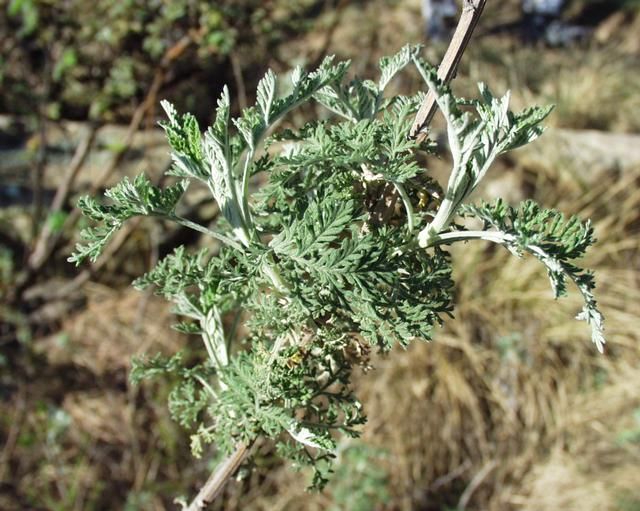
(41, 249)
(471, 13)
(215, 484)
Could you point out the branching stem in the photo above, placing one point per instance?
(453, 236)
(471, 13)
(203, 230)
(406, 201)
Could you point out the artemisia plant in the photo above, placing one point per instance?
(341, 251)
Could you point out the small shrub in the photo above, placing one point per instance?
(341, 251)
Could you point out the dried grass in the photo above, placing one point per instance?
(114, 327)
(103, 441)
(591, 88)
(514, 377)
(100, 416)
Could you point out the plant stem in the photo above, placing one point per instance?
(215, 484)
(274, 275)
(407, 205)
(225, 470)
(471, 13)
(453, 236)
(197, 227)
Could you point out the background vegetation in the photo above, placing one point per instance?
(510, 407)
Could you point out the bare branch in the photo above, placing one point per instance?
(471, 13)
(215, 484)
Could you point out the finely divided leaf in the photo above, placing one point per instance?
(183, 134)
(554, 241)
(266, 94)
(128, 199)
(390, 66)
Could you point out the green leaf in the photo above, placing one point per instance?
(143, 368)
(128, 199)
(554, 241)
(266, 94)
(475, 140)
(183, 134)
(321, 224)
(67, 61)
(391, 66)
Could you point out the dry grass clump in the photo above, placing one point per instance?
(101, 416)
(114, 327)
(591, 88)
(599, 93)
(594, 465)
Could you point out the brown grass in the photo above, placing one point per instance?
(113, 327)
(84, 438)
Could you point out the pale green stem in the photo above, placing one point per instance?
(274, 275)
(208, 387)
(407, 205)
(201, 229)
(215, 336)
(461, 185)
(453, 236)
(440, 223)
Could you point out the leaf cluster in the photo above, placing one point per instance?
(316, 271)
(128, 199)
(555, 241)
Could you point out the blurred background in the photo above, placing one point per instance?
(510, 408)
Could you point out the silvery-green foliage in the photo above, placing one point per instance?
(128, 199)
(553, 240)
(476, 138)
(317, 265)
